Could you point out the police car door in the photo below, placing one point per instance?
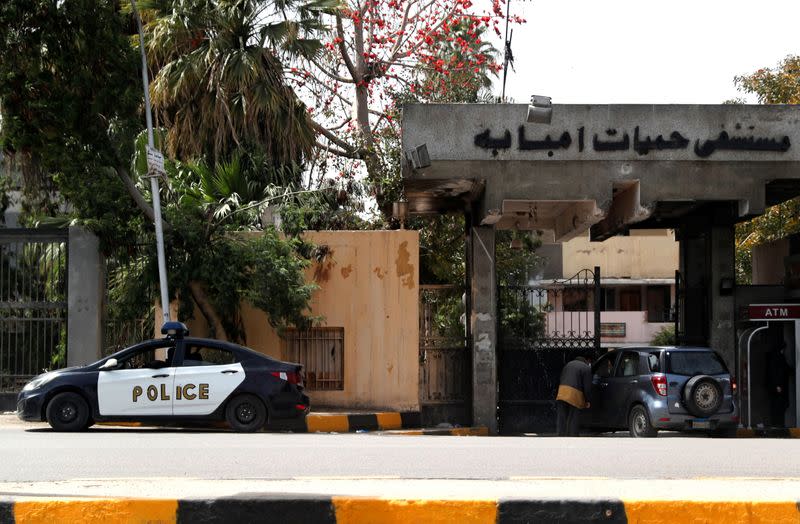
(205, 378)
(141, 384)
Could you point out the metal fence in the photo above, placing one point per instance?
(444, 358)
(321, 352)
(33, 304)
(128, 315)
(542, 327)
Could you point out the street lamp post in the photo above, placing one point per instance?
(154, 189)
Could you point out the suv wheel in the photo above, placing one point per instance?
(639, 423)
(702, 395)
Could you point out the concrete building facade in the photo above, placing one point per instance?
(605, 169)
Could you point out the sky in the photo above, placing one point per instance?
(633, 52)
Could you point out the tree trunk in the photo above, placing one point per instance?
(208, 311)
(138, 198)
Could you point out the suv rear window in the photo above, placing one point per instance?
(695, 363)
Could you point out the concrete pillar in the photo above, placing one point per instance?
(483, 322)
(85, 290)
(722, 335)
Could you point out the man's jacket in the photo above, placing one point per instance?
(576, 383)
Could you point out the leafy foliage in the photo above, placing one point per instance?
(779, 85)
(219, 84)
(69, 100)
(664, 337)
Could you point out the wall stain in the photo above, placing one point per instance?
(347, 270)
(380, 272)
(405, 270)
(323, 268)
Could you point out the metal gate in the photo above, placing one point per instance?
(445, 363)
(33, 304)
(542, 327)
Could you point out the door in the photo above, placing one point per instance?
(141, 384)
(602, 370)
(620, 386)
(205, 379)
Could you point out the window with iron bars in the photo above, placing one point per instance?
(321, 352)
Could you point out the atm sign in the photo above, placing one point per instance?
(774, 312)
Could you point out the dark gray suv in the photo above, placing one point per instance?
(645, 389)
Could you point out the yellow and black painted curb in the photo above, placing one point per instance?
(330, 422)
(318, 509)
(348, 422)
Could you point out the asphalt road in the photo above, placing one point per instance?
(31, 453)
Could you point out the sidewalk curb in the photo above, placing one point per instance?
(476, 431)
(768, 433)
(327, 422)
(338, 510)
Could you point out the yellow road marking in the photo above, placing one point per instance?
(379, 511)
(699, 512)
(327, 423)
(389, 420)
(101, 510)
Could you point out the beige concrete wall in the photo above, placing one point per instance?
(369, 287)
(643, 254)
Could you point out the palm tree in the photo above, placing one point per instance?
(220, 85)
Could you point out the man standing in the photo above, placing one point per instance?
(573, 395)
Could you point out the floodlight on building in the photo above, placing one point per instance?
(419, 157)
(540, 110)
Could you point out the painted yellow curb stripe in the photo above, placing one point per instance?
(112, 511)
(122, 424)
(327, 423)
(701, 512)
(482, 431)
(351, 510)
(389, 420)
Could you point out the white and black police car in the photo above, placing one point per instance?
(173, 380)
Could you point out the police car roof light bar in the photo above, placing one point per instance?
(174, 329)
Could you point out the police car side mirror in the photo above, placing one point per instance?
(109, 364)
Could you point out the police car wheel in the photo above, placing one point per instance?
(246, 413)
(67, 412)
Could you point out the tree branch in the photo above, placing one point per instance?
(343, 51)
(330, 136)
(138, 198)
(208, 311)
(339, 152)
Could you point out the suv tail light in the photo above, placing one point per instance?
(733, 385)
(288, 376)
(659, 384)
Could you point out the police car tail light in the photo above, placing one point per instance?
(288, 376)
(659, 384)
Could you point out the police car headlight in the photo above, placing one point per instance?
(39, 381)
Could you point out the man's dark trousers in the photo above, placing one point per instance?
(567, 419)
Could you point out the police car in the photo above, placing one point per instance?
(170, 380)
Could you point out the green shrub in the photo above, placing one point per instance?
(664, 337)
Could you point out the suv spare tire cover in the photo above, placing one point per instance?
(702, 395)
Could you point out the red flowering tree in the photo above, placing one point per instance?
(378, 49)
